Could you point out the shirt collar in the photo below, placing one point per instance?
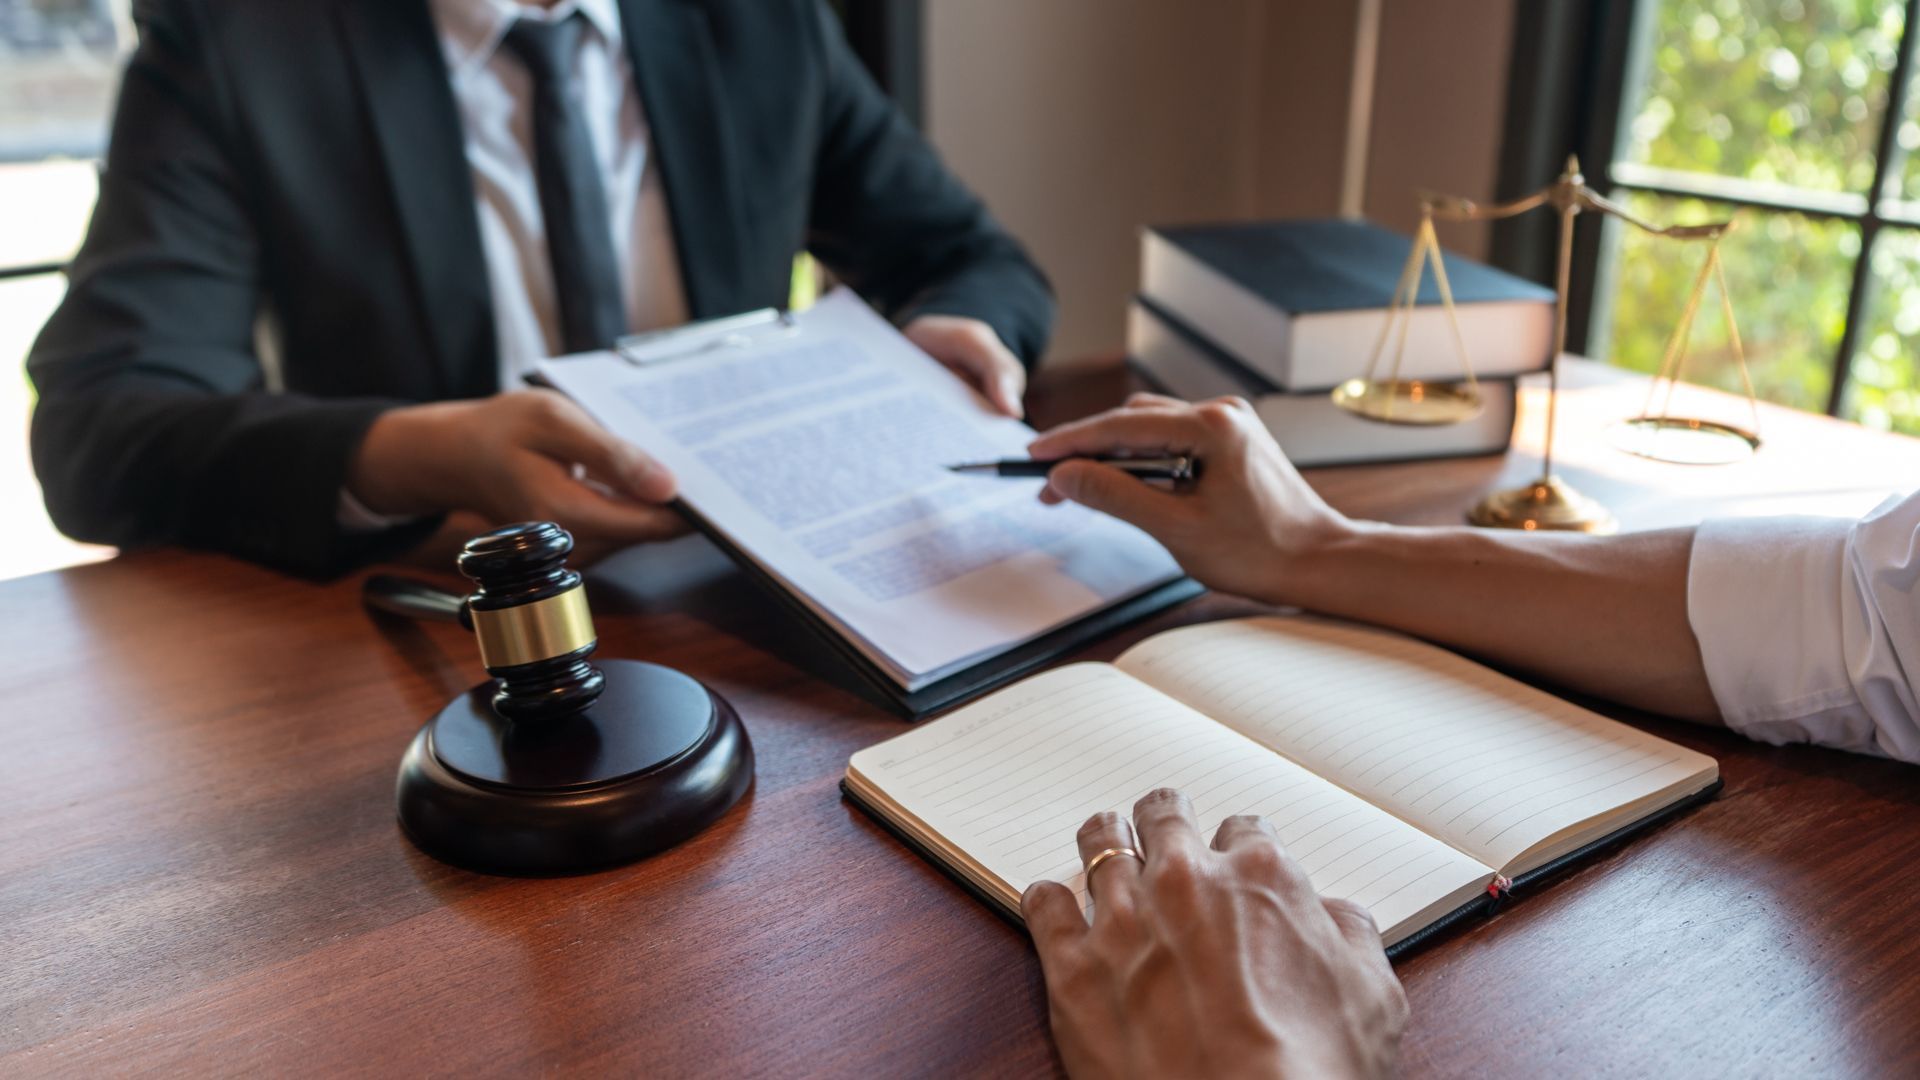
(470, 30)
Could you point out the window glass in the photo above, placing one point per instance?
(1884, 389)
(1903, 179)
(59, 69)
(59, 66)
(33, 544)
(1781, 92)
(44, 208)
(1789, 275)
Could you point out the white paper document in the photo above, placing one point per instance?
(821, 452)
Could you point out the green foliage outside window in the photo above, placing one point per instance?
(1778, 91)
(1788, 275)
(1884, 388)
(1789, 94)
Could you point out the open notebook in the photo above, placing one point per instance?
(1400, 775)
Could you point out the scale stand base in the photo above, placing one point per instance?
(1548, 505)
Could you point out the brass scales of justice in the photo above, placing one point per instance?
(1549, 502)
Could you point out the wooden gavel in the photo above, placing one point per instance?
(529, 614)
(556, 765)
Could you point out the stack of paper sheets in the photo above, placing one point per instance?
(821, 452)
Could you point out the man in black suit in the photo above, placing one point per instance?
(415, 198)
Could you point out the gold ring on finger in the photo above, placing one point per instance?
(1094, 863)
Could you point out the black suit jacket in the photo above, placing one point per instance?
(304, 160)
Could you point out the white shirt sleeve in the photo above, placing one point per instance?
(1810, 627)
(353, 516)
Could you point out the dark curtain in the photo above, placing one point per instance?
(1565, 79)
(886, 34)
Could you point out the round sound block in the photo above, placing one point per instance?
(655, 759)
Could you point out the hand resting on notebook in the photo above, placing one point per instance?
(1210, 961)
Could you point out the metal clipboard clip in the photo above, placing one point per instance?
(706, 337)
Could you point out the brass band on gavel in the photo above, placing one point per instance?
(528, 633)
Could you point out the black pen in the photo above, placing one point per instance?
(1179, 468)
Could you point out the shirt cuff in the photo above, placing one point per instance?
(1766, 598)
(353, 517)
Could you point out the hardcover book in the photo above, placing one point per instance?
(1303, 302)
(1308, 425)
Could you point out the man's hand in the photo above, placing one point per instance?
(1249, 525)
(525, 455)
(974, 352)
(1216, 961)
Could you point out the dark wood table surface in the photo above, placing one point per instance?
(200, 870)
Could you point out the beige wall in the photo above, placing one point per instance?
(1082, 120)
(1438, 108)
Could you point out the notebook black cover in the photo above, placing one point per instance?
(1479, 907)
(968, 683)
(1305, 267)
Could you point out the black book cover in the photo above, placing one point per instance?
(1304, 267)
(1480, 907)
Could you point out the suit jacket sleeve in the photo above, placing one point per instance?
(891, 221)
(154, 425)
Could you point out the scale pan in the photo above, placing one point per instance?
(1412, 402)
(1678, 440)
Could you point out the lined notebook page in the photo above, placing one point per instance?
(1010, 779)
(1488, 764)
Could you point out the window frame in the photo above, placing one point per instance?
(23, 270)
(1620, 53)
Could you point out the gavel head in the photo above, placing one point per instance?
(530, 615)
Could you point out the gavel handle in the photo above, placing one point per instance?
(414, 599)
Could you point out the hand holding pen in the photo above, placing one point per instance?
(1247, 523)
(1176, 468)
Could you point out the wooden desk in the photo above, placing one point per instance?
(200, 872)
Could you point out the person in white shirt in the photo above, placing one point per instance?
(1218, 958)
(1785, 629)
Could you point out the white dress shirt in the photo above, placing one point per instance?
(495, 97)
(1810, 627)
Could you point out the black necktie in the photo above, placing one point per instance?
(586, 276)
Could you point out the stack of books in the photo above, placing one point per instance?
(1282, 312)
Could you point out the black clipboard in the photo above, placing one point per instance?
(702, 338)
(964, 685)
